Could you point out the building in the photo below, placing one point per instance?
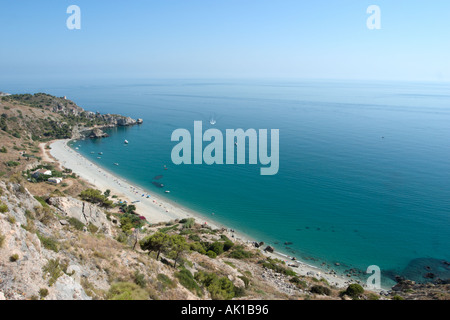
(55, 180)
(41, 172)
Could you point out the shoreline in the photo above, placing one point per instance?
(158, 209)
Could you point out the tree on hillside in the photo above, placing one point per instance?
(157, 242)
(178, 245)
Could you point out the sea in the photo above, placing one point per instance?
(364, 166)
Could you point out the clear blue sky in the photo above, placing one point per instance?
(226, 38)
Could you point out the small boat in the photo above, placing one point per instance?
(76, 148)
(235, 143)
(167, 191)
(99, 157)
(126, 141)
(116, 164)
(100, 153)
(212, 121)
(92, 152)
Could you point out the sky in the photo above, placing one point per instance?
(321, 39)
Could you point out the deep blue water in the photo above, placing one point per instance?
(364, 173)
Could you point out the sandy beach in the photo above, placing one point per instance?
(155, 209)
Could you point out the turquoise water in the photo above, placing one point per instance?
(364, 173)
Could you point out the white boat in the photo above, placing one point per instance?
(116, 164)
(126, 141)
(167, 191)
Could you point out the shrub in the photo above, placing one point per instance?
(166, 281)
(246, 281)
(77, 224)
(373, 296)
(273, 265)
(12, 163)
(53, 270)
(11, 219)
(227, 245)
(297, 281)
(92, 228)
(194, 237)
(397, 297)
(126, 291)
(196, 246)
(41, 201)
(217, 247)
(44, 214)
(187, 280)
(48, 243)
(2, 239)
(14, 257)
(188, 223)
(43, 293)
(96, 196)
(139, 279)
(3, 207)
(320, 290)
(129, 221)
(239, 253)
(220, 288)
(3, 150)
(354, 290)
(211, 254)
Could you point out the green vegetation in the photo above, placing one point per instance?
(3, 150)
(41, 201)
(92, 228)
(126, 291)
(166, 281)
(129, 221)
(44, 214)
(298, 282)
(157, 242)
(397, 297)
(274, 264)
(139, 279)
(12, 163)
(43, 292)
(11, 219)
(178, 246)
(188, 223)
(3, 207)
(211, 254)
(239, 253)
(373, 296)
(77, 224)
(96, 196)
(48, 243)
(53, 270)
(317, 289)
(220, 288)
(2, 239)
(354, 290)
(187, 280)
(14, 257)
